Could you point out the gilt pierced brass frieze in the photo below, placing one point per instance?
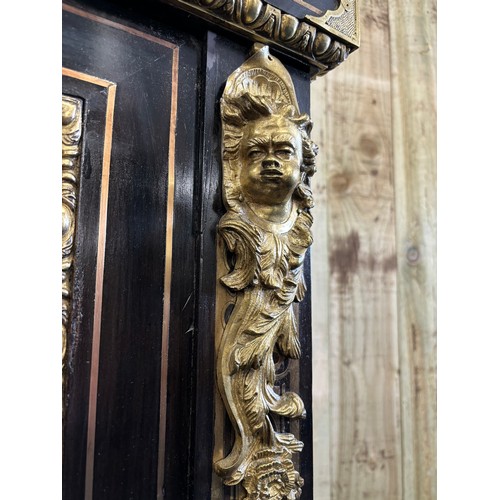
(342, 22)
(323, 41)
(71, 153)
(268, 159)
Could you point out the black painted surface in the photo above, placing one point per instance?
(222, 57)
(302, 8)
(128, 404)
(127, 424)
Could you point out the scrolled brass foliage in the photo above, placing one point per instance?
(71, 152)
(268, 159)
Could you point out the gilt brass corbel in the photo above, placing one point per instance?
(268, 159)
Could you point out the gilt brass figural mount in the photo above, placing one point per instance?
(268, 159)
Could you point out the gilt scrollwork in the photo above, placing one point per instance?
(268, 159)
(71, 153)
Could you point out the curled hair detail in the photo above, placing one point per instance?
(239, 111)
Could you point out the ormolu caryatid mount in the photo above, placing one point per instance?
(268, 158)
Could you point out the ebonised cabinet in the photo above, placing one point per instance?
(140, 394)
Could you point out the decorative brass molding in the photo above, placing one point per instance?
(324, 41)
(342, 22)
(71, 153)
(268, 159)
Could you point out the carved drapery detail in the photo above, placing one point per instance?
(71, 153)
(324, 41)
(268, 158)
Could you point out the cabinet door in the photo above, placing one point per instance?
(129, 277)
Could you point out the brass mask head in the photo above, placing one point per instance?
(268, 155)
(271, 157)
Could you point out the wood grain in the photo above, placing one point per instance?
(355, 137)
(320, 273)
(413, 55)
(374, 343)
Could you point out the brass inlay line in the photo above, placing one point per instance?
(168, 256)
(118, 26)
(168, 275)
(308, 6)
(101, 246)
(78, 75)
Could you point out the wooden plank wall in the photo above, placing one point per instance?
(374, 337)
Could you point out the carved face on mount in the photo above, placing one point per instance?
(271, 158)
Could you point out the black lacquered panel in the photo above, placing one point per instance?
(118, 453)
